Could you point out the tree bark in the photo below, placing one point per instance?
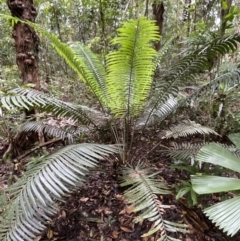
(26, 41)
(158, 11)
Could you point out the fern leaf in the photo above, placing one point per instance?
(29, 99)
(231, 79)
(50, 130)
(142, 193)
(130, 69)
(32, 198)
(187, 128)
(184, 151)
(90, 70)
(192, 64)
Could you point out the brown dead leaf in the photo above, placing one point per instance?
(129, 208)
(107, 211)
(84, 199)
(125, 229)
(115, 234)
(49, 233)
(119, 197)
(105, 192)
(63, 214)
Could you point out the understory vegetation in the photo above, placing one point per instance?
(134, 88)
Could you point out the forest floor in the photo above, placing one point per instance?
(97, 211)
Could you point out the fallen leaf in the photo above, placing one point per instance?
(115, 234)
(127, 230)
(49, 233)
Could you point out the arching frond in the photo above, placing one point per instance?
(226, 215)
(187, 128)
(130, 69)
(55, 131)
(159, 114)
(90, 70)
(231, 79)
(32, 200)
(29, 99)
(142, 194)
(162, 52)
(184, 151)
(194, 63)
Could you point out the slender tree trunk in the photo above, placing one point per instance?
(158, 11)
(224, 12)
(26, 41)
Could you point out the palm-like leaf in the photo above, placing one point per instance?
(226, 214)
(90, 69)
(130, 69)
(191, 65)
(157, 115)
(231, 79)
(29, 99)
(183, 151)
(142, 194)
(50, 130)
(187, 128)
(32, 198)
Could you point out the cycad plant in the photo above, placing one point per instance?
(123, 89)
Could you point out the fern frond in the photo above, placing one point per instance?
(142, 194)
(194, 63)
(162, 52)
(130, 69)
(184, 151)
(30, 99)
(90, 69)
(49, 130)
(32, 198)
(187, 128)
(159, 114)
(231, 79)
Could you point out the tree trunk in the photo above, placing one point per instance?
(26, 45)
(224, 12)
(26, 41)
(158, 11)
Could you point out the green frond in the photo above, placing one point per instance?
(184, 151)
(187, 128)
(226, 215)
(231, 79)
(130, 69)
(50, 130)
(164, 101)
(32, 200)
(218, 155)
(90, 70)
(164, 49)
(142, 194)
(157, 115)
(30, 99)
(194, 63)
